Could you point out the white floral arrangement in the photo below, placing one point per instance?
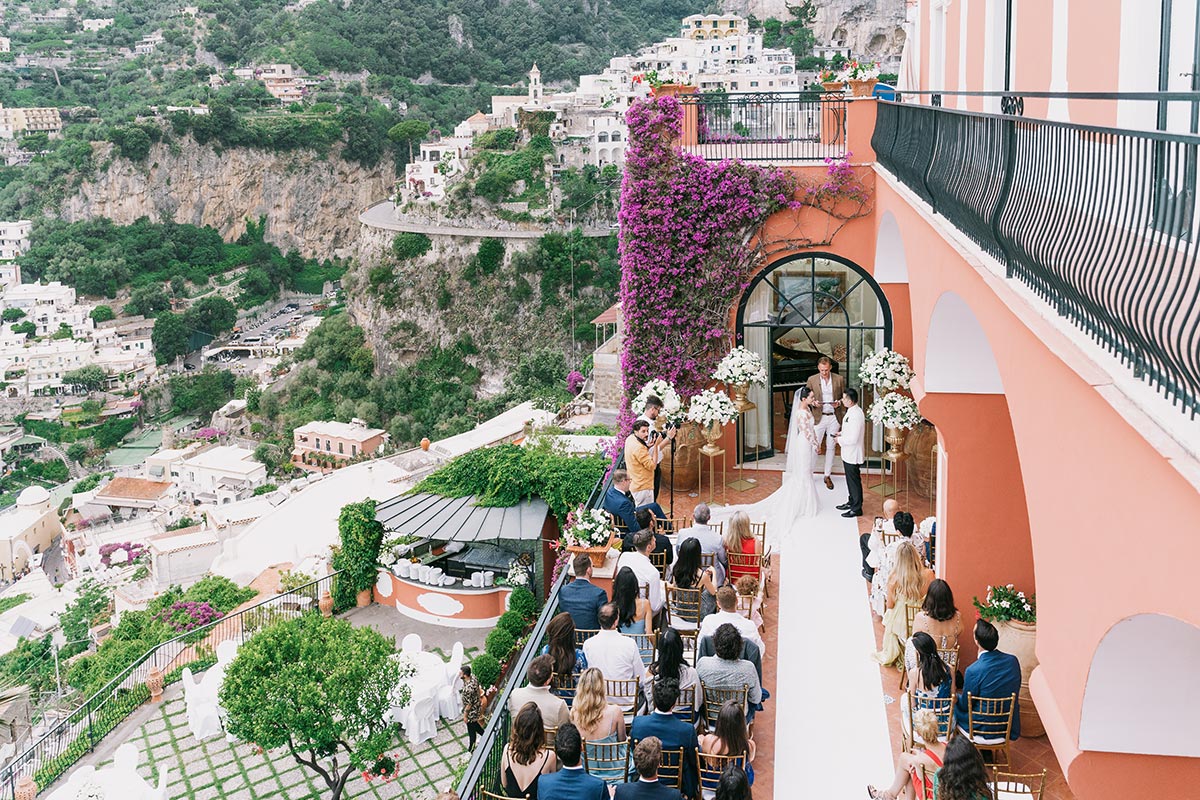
(886, 370)
(859, 71)
(518, 575)
(672, 404)
(741, 367)
(712, 407)
(393, 551)
(895, 411)
(587, 528)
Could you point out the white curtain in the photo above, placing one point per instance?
(757, 423)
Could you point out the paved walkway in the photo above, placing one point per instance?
(383, 216)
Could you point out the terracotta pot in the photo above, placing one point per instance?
(425, 443)
(832, 86)
(598, 555)
(26, 788)
(687, 443)
(675, 89)
(1019, 639)
(862, 88)
(363, 599)
(154, 682)
(326, 604)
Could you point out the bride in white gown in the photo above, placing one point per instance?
(796, 497)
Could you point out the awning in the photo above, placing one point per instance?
(458, 519)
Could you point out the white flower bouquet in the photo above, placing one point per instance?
(741, 367)
(886, 370)
(711, 407)
(518, 574)
(895, 411)
(672, 405)
(588, 528)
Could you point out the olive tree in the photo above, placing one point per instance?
(319, 687)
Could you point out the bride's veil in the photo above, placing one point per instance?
(791, 433)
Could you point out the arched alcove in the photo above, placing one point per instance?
(891, 265)
(1142, 693)
(958, 356)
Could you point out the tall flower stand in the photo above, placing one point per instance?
(743, 405)
(711, 451)
(894, 455)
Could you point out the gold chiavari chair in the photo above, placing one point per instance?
(624, 695)
(671, 526)
(950, 659)
(549, 733)
(645, 644)
(683, 605)
(691, 641)
(715, 698)
(746, 564)
(1015, 786)
(659, 560)
(685, 708)
(564, 686)
(759, 531)
(486, 795)
(988, 725)
(582, 635)
(619, 525)
(710, 768)
(942, 708)
(889, 537)
(910, 616)
(608, 761)
(708, 560)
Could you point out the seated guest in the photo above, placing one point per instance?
(643, 568)
(553, 708)
(994, 674)
(939, 618)
(930, 677)
(581, 598)
(747, 589)
(560, 646)
(646, 759)
(619, 501)
(669, 664)
(710, 541)
(730, 738)
(727, 598)
(633, 610)
(734, 785)
(524, 759)
(571, 782)
(926, 755)
(670, 730)
(616, 656)
(903, 522)
(963, 775)
(648, 522)
(906, 588)
(597, 720)
(727, 669)
(688, 574)
(871, 543)
(739, 539)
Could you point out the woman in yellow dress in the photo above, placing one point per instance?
(906, 587)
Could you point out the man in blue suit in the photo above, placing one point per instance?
(581, 598)
(571, 782)
(994, 674)
(646, 758)
(670, 730)
(618, 501)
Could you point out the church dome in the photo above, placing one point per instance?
(33, 496)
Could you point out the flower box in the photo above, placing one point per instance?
(597, 554)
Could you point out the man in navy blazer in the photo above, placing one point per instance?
(618, 501)
(994, 674)
(571, 782)
(581, 598)
(670, 730)
(647, 756)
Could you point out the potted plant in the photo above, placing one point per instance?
(589, 531)
(740, 369)
(711, 410)
(830, 80)
(1015, 618)
(862, 77)
(898, 414)
(886, 370)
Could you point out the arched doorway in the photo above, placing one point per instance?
(794, 312)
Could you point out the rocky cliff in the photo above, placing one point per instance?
(311, 201)
(872, 28)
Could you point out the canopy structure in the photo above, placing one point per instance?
(458, 519)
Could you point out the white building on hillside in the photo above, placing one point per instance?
(218, 475)
(26, 528)
(14, 240)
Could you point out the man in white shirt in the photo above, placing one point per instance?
(638, 560)
(614, 655)
(727, 612)
(710, 540)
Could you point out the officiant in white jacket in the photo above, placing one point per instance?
(854, 428)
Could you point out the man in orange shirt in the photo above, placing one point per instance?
(641, 457)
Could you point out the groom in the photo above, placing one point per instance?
(854, 427)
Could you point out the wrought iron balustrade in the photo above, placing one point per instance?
(1101, 223)
(778, 127)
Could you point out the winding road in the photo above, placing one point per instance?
(383, 215)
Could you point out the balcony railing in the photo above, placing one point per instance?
(1101, 223)
(483, 770)
(777, 127)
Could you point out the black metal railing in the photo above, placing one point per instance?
(483, 770)
(778, 127)
(1101, 223)
(77, 734)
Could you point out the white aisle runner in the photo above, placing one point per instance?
(831, 732)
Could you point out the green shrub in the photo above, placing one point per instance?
(512, 622)
(524, 603)
(499, 643)
(486, 669)
(219, 592)
(361, 536)
(411, 245)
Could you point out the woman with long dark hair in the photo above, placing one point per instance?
(730, 737)
(524, 759)
(963, 775)
(670, 664)
(931, 677)
(734, 785)
(689, 574)
(560, 636)
(633, 610)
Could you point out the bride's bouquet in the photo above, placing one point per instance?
(886, 370)
(711, 407)
(741, 367)
(895, 411)
(672, 405)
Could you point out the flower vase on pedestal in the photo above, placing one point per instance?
(712, 434)
(895, 439)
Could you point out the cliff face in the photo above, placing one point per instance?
(873, 28)
(311, 202)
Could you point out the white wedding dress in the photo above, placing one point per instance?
(796, 497)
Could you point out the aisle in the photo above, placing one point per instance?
(831, 732)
